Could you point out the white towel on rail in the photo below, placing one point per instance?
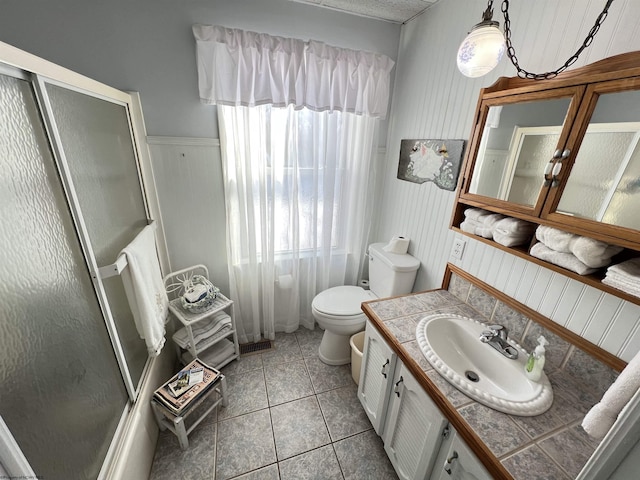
(603, 415)
(145, 289)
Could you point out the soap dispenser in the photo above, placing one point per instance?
(535, 362)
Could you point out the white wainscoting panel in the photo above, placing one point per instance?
(432, 100)
(188, 176)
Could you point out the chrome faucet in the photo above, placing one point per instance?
(496, 336)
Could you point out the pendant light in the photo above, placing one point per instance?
(483, 48)
(485, 45)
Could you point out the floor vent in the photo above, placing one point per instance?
(257, 347)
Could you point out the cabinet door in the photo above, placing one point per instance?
(378, 364)
(457, 462)
(511, 153)
(413, 430)
(603, 159)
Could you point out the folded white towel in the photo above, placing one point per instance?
(565, 260)
(508, 226)
(510, 240)
(593, 253)
(207, 342)
(603, 415)
(145, 289)
(202, 330)
(476, 228)
(629, 269)
(625, 276)
(214, 355)
(621, 283)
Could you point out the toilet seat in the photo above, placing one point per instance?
(342, 302)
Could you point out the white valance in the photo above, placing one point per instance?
(236, 67)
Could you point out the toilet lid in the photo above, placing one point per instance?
(344, 300)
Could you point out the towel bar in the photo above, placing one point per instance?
(120, 264)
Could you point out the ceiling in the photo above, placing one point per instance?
(396, 11)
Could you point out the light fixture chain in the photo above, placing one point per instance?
(511, 53)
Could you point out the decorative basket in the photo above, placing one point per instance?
(207, 294)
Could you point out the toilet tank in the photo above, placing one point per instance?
(391, 274)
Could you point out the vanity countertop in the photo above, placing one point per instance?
(548, 446)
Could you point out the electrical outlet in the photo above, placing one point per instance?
(458, 248)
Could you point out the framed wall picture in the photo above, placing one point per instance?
(436, 161)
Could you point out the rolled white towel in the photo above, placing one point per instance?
(555, 239)
(593, 253)
(476, 213)
(603, 415)
(565, 260)
(509, 226)
(469, 226)
(490, 221)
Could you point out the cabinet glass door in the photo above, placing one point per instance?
(514, 144)
(603, 183)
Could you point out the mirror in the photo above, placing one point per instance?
(517, 142)
(604, 183)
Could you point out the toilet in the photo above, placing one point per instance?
(337, 310)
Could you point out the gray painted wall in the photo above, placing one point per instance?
(147, 45)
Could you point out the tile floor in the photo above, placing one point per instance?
(290, 417)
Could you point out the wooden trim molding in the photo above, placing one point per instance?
(573, 338)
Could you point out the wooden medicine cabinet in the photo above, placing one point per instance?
(563, 152)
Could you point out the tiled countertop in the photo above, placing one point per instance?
(547, 446)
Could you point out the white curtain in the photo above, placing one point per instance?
(236, 67)
(298, 132)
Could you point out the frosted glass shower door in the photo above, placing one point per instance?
(96, 140)
(62, 393)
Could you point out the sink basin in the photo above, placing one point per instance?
(451, 344)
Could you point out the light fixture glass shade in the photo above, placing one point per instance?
(481, 50)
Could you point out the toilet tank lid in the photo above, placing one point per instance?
(395, 261)
(343, 300)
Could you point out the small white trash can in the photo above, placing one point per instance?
(357, 346)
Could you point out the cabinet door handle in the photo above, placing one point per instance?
(449, 462)
(549, 167)
(396, 389)
(384, 367)
(556, 171)
(558, 166)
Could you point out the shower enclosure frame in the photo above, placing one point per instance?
(40, 73)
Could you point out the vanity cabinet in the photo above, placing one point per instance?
(456, 461)
(401, 412)
(376, 375)
(413, 427)
(563, 152)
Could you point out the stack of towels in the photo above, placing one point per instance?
(506, 231)
(625, 276)
(205, 333)
(579, 254)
